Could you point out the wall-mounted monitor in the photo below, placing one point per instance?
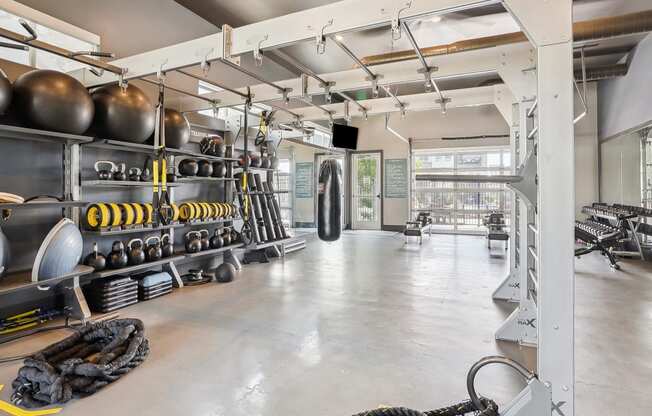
(345, 137)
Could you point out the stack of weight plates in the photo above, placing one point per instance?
(106, 295)
(153, 284)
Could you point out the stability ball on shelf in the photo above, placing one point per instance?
(177, 129)
(52, 100)
(123, 114)
(5, 92)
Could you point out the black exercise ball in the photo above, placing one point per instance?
(126, 115)
(225, 273)
(5, 92)
(52, 100)
(177, 129)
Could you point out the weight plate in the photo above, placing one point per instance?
(128, 214)
(116, 214)
(197, 210)
(139, 213)
(149, 211)
(98, 216)
(206, 210)
(175, 212)
(186, 211)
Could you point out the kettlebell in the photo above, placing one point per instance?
(193, 242)
(226, 237)
(219, 169)
(254, 161)
(265, 163)
(103, 173)
(205, 243)
(166, 246)
(188, 167)
(216, 240)
(134, 174)
(96, 260)
(242, 158)
(136, 254)
(205, 168)
(146, 175)
(120, 173)
(235, 236)
(153, 251)
(117, 258)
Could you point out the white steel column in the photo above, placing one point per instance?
(556, 209)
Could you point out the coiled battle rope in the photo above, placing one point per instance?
(94, 356)
(490, 409)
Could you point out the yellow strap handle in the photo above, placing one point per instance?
(17, 411)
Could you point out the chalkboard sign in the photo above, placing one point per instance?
(396, 178)
(303, 180)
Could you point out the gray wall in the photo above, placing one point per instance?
(620, 170)
(625, 102)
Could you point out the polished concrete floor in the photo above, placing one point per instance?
(366, 321)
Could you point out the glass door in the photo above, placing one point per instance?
(366, 197)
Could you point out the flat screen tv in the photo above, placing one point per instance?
(345, 137)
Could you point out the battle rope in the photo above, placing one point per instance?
(490, 409)
(94, 356)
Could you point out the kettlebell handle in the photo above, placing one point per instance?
(165, 238)
(135, 170)
(191, 233)
(201, 233)
(158, 239)
(99, 163)
(134, 240)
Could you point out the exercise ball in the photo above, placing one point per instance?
(126, 115)
(177, 129)
(52, 100)
(5, 92)
(225, 273)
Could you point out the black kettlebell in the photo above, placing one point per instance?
(205, 168)
(265, 163)
(219, 169)
(118, 257)
(254, 161)
(188, 167)
(193, 242)
(216, 240)
(205, 242)
(146, 175)
(235, 236)
(96, 260)
(101, 168)
(226, 237)
(121, 172)
(134, 174)
(136, 254)
(153, 251)
(166, 246)
(242, 158)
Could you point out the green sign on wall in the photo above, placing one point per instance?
(304, 180)
(396, 178)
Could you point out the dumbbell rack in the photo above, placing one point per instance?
(623, 218)
(598, 237)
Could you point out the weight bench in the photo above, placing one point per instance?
(416, 228)
(495, 223)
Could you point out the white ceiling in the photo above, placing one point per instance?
(440, 30)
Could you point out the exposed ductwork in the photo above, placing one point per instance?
(600, 73)
(596, 29)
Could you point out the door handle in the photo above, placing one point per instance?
(378, 196)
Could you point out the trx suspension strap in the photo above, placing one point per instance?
(160, 200)
(246, 231)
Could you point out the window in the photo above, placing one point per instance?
(457, 206)
(283, 190)
(38, 58)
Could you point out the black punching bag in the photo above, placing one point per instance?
(329, 201)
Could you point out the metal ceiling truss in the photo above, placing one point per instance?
(541, 74)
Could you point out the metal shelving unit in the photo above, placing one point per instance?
(14, 282)
(118, 184)
(131, 269)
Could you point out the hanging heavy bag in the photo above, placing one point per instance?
(329, 201)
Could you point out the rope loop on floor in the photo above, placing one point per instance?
(489, 408)
(94, 356)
